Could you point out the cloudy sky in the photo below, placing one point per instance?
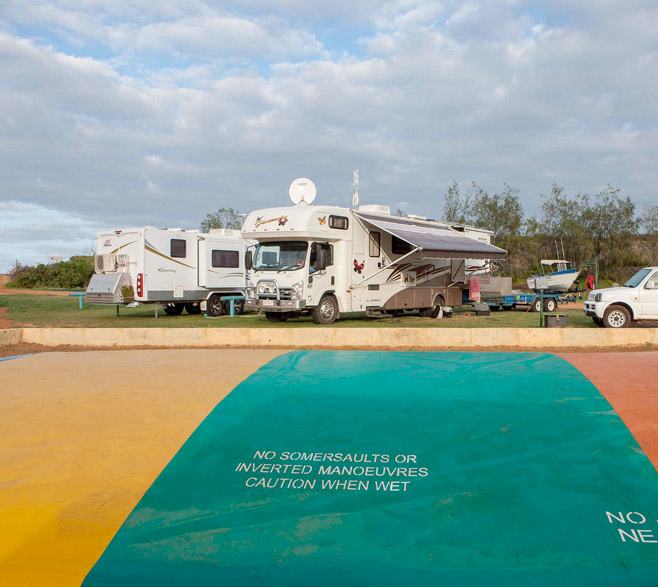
(133, 112)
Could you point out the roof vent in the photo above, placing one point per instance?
(376, 208)
(416, 216)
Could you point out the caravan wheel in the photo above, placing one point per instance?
(215, 306)
(172, 309)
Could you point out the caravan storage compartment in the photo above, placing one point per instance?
(110, 288)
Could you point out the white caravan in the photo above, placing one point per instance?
(178, 268)
(328, 260)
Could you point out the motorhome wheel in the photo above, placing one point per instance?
(327, 311)
(238, 308)
(550, 305)
(436, 311)
(172, 309)
(215, 305)
(616, 317)
(276, 316)
(193, 308)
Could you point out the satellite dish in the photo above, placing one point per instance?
(302, 191)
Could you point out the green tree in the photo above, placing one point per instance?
(456, 206)
(501, 213)
(649, 220)
(222, 218)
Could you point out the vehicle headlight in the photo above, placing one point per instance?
(597, 297)
(297, 291)
(250, 293)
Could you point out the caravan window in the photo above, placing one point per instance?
(178, 248)
(400, 247)
(375, 246)
(226, 259)
(340, 222)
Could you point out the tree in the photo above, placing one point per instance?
(456, 207)
(223, 218)
(501, 213)
(649, 220)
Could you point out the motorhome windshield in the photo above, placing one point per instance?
(637, 278)
(280, 256)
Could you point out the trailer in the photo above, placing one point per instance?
(533, 300)
(328, 260)
(180, 269)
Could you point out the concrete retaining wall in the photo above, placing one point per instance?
(11, 336)
(373, 338)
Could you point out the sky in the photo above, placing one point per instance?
(134, 112)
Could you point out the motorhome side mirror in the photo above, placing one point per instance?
(322, 259)
(249, 259)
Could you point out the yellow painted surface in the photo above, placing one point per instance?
(83, 436)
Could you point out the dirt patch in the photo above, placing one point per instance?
(4, 278)
(4, 321)
(57, 293)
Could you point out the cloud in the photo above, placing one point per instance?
(128, 113)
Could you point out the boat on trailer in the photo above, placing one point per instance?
(558, 277)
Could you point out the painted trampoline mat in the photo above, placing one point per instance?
(523, 459)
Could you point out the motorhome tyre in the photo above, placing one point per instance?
(616, 317)
(436, 311)
(215, 305)
(276, 316)
(193, 308)
(326, 311)
(172, 309)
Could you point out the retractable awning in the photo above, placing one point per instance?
(434, 241)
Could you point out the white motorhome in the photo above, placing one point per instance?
(328, 260)
(177, 268)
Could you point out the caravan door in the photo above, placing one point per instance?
(221, 263)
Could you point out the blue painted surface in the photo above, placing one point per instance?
(523, 458)
(13, 357)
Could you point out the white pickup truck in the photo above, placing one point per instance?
(617, 307)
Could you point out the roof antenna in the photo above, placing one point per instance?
(355, 188)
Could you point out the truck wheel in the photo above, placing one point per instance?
(193, 308)
(616, 317)
(327, 311)
(550, 305)
(276, 316)
(215, 306)
(598, 321)
(172, 309)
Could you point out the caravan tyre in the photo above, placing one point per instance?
(193, 308)
(215, 305)
(172, 309)
(327, 310)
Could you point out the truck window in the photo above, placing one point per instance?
(178, 248)
(340, 222)
(375, 246)
(314, 255)
(400, 247)
(225, 259)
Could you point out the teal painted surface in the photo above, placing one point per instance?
(524, 458)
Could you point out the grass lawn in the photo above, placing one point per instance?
(35, 310)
